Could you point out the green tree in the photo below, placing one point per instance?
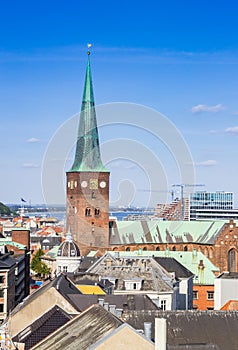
(39, 266)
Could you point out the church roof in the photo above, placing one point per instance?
(139, 232)
(87, 155)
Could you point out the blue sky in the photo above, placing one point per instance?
(177, 57)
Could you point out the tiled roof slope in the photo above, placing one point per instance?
(42, 327)
(194, 330)
(132, 232)
(6, 261)
(124, 302)
(155, 277)
(61, 283)
(172, 265)
(228, 275)
(231, 305)
(190, 260)
(82, 331)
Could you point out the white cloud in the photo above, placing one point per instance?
(205, 163)
(30, 165)
(213, 131)
(33, 140)
(205, 108)
(232, 130)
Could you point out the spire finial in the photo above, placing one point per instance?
(89, 45)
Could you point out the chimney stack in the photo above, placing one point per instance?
(160, 334)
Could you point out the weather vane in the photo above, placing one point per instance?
(89, 45)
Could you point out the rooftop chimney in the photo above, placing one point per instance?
(148, 330)
(160, 334)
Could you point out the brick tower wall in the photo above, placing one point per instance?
(87, 207)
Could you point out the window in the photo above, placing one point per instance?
(65, 268)
(195, 295)
(1, 293)
(87, 212)
(163, 305)
(1, 308)
(129, 285)
(97, 211)
(157, 249)
(232, 260)
(1, 279)
(185, 248)
(210, 295)
(174, 248)
(128, 249)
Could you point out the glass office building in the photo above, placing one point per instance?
(212, 205)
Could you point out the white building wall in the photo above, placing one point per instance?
(225, 289)
(72, 264)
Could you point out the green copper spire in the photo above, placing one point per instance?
(87, 155)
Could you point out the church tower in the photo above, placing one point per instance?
(87, 207)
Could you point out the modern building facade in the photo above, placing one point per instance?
(200, 205)
(87, 207)
(218, 205)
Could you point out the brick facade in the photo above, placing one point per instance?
(88, 207)
(203, 297)
(223, 253)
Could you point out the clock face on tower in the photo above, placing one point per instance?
(103, 184)
(84, 184)
(93, 184)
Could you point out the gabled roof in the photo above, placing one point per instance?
(146, 270)
(82, 331)
(124, 337)
(190, 260)
(61, 283)
(42, 327)
(231, 305)
(172, 265)
(139, 232)
(6, 261)
(122, 301)
(228, 275)
(195, 330)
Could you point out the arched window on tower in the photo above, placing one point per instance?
(174, 248)
(96, 211)
(87, 212)
(185, 248)
(232, 260)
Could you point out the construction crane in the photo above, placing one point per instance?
(182, 194)
(157, 191)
